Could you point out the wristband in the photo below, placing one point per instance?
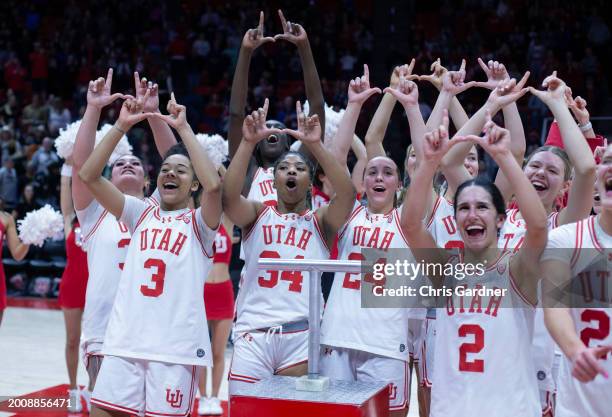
(585, 127)
(66, 170)
(122, 131)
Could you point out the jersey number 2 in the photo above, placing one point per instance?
(601, 332)
(476, 365)
(157, 278)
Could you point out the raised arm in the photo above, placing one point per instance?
(102, 189)
(241, 211)
(335, 214)
(66, 205)
(18, 249)
(579, 202)
(98, 96)
(359, 150)
(252, 39)
(378, 125)
(162, 135)
(204, 169)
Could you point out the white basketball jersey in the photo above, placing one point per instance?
(262, 189)
(381, 331)
(442, 225)
(273, 298)
(483, 351)
(585, 246)
(106, 241)
(159, 313)
(511, 238)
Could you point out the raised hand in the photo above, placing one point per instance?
(586, 363)
(309, 127)
(254, 38)
(454, 81)
(132, 111)
(496, 139)
(555, 90)
(406, 92)
(496, 72)
(437, 142)
(99, 91)
(577, 106)
(141, 85)
(508, 91)
(177, 117)
(359, 88)
(402, 71)
(436, 75)
(254, 128)
(292, 32)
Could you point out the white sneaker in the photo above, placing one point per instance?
(204, 406)
(74, 404)
(86, 395)
(214, 406)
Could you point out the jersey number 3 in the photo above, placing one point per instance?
(157, 278)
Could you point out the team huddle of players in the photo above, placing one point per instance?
(148, 258)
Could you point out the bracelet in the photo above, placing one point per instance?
(585, 127)
(115, 126)
(66, 171)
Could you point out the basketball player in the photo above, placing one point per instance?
(105, 238)
(578, 254)
(271, 328)
(17, 249)
(471, 341)
(157, 336)
(72, 287)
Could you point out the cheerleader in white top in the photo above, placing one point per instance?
(270, 332)
(578, 254)
(157, 337)
(483, 341)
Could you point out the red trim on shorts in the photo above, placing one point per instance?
(93, 230)
(191, 392)
(243, 378)
(426, 382)
(290, 366)
(111, 406)
(406, 398)
(548, 408)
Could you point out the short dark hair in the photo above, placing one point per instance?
(491, 188)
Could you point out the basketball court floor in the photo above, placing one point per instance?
(32, 357)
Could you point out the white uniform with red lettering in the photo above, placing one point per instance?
(444, 231)
(483, 350)
(157, 335)
(546, 355)
(367, 344)
(270, 332)
(585, 246)
(106, 241)
(262, 189)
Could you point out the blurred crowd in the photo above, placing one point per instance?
(49, 50)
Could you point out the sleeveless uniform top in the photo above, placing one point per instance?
(273, 298)
(586, 247)
(262, 189)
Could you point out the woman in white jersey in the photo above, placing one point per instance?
(105, 238)
(157, 338)
(271, 328)
(482, 351)
(577, 257)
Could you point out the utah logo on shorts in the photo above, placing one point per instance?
(175, 399)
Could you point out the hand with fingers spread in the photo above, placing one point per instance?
(254, 128)
(141, 85)
(508, 91)
(406, 92)
(132, 112)
(177, 117)
(586, 363)
(309, 127)
(454, 81)
(359, 88)
(403, 71)
(99, 92)
(496, 73)
(437, 142)
(437, 72)
(254, 38)
(496, 139)
(577, 106)
(555, 90)
(292, 32)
